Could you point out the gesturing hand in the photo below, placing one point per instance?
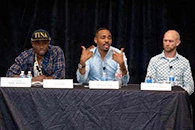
(118, 56)
(86, 54)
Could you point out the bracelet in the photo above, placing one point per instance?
(80, 66)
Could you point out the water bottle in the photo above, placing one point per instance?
(22, 75)
(29, 75)
(172, 80)
(104, 76)
(148, 79)
(118, 75)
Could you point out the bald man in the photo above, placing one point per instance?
(169, 62)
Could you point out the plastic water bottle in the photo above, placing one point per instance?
(148, 79)
(104, 76)
(22, 75)
(118, 75)
(29, 75)
(172, 80)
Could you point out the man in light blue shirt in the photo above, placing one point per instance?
(169, 62)
(104, 58)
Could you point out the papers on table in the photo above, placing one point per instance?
(37, 84)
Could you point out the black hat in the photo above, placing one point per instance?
(40, 35)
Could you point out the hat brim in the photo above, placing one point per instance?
(41, 39)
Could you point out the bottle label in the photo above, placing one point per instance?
(103, 79)
(171, 79)
(148, 80)
(22, 76)
(29, 76)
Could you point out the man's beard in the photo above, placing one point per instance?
(168, 49)
(105, 50)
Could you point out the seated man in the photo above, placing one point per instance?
(169, 62)
(45, 61)
(104, 58)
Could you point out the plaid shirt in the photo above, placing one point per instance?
(160, 68)
(53, 63)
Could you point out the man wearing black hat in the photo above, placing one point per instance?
(45, 61)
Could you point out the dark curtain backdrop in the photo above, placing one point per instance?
(137, 25)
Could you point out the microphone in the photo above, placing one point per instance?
(170, 67)
(104, 68)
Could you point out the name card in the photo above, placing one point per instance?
(104, 84)
(156, 86)
(58, 83)
(15, 82)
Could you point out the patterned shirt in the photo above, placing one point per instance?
(160, 68)
(53, 63)
(95, 67)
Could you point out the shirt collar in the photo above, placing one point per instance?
(162, 55)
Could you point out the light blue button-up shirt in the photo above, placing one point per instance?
(95, 67)
(160, 68)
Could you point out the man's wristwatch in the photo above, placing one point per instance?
(80, 66)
